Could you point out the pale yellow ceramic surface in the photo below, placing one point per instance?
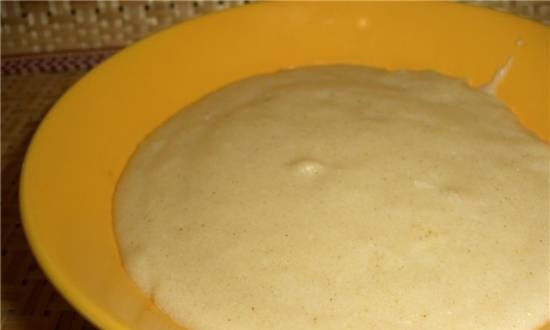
(81, 147)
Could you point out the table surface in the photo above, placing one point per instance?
(30, 86)
(29, 302)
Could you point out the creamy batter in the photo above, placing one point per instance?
(340, 197)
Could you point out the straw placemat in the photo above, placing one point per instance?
(29, 302)
(49, 26)
(30, 86)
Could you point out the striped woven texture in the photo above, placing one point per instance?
(47, 26)
(29, 302)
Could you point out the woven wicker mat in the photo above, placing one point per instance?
(29, 302)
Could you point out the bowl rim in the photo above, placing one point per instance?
(79, 300)
(69, 292)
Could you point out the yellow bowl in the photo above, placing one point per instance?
(80, 149)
